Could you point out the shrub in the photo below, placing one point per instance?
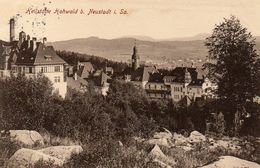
(108, 154)
(8, 148)
(44, 164)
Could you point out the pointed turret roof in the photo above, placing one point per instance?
(135, 53)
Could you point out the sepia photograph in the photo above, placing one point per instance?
(130, 84)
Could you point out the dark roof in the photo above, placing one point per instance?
(157, 77)
(101, 79)
(41, 56)
(85, 69)
(179, 72)
(7, 49)
(76, 84)
(197, 82)
(3, 43)
(141, 73)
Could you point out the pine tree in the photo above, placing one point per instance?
(233, 65)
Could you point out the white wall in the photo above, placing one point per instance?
(59, 86)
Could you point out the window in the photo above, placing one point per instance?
(1, 74)
(19, 69)
(14, 69)
(43, 69)
(48, 57)
(198, 91)
(57, 69)
(56, 79)
(30, 69)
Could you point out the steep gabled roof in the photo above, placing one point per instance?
(179, 72)
(101, 79)
(141, 73)
(85, 69)
(8, 49)
(43, 55)
(157, 77)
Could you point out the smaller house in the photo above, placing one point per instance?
(109, 71)
(139, 76)
(101, 82)
(83, 70)
(155, 87)
(182, 85)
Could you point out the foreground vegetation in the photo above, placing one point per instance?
(98, 123)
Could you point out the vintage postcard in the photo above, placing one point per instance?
(129, 84)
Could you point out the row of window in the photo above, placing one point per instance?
(57, 79)
(158, 95)
(42, 69)
(177, 89)
(162, 87)
(176, 97)
(48, 69)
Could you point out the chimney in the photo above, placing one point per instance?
(22, 37)
(44, 41)
(75, 76)
(12, 33)
(34, 43)
(78, 65)
(28, 40)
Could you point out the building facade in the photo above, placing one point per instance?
(31, 57)
(180, 83)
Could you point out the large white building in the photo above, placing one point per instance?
(31, 57)
(181, 83)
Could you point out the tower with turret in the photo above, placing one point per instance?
(187, 77)
(135, 58)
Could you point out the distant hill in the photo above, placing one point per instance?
(156, 51)
(201, 36)
(121, 49)
(142, 38)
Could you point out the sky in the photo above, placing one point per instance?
(159, 19)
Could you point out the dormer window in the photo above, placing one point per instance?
(48, 57)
